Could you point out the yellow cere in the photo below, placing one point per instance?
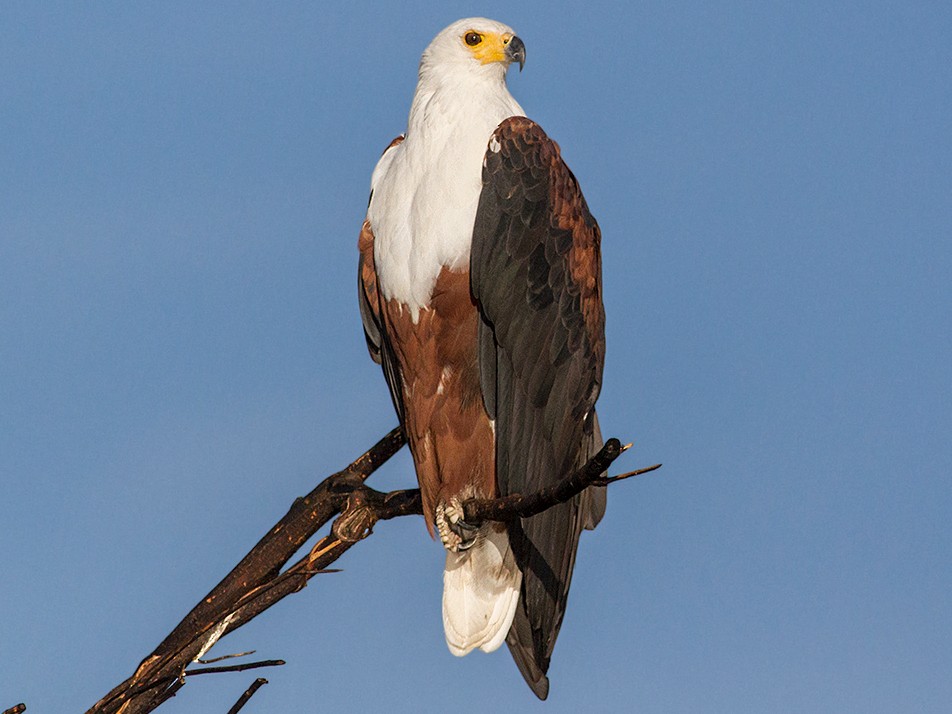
(487, 47)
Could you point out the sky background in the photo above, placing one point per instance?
(181, 188)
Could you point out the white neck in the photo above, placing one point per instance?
(426, 193)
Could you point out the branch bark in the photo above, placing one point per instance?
(249, 693)
(258, 582)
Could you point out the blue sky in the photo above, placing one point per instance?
(181, 188)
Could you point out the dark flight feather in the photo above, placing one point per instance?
(535, 272)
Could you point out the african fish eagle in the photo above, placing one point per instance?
(480, 294)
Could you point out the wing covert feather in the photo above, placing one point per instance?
(535, 272)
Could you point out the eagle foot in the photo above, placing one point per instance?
(457, 535)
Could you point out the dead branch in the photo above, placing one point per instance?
(258, 582)
(251, 587)
(224, 657)
(249, 693)
(235, 667)
(506, 508)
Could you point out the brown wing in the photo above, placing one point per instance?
(536, 276)
(368, 298)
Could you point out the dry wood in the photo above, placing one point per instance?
(258, 581)
(249, 693)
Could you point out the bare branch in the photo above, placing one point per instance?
(235, 667)
(249, 693)
(260, 566)
(522, 506)
(224, 657)
(621, 477)
(258, 582)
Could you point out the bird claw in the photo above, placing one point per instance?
(457, 535)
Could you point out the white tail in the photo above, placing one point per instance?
(480, 592)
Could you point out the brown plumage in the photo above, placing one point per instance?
(445, 421)
(446, 424)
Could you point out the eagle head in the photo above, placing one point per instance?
(475, 43)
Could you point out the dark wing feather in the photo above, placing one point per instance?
(536, 276)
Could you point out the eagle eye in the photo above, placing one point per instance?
(472, 38)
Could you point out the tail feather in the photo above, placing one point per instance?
(480, 593)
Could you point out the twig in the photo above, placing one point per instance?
(16, 709)
(167, 687)
(224, 657)
(249, 693)
(235, 667)
(604, 481)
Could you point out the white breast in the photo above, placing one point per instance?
(426, 189)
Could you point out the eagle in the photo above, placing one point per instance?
(479, 284)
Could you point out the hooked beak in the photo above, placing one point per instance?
(516, 52)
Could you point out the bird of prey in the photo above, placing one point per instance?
(480, 294)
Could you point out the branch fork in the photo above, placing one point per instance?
(258, 581)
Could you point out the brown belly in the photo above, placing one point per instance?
(447, 427)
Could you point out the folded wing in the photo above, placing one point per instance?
(535, 272)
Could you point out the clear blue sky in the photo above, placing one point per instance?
(181, 187)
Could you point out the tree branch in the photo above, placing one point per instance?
(518, 505)
(244, 667)
(230, 603)
(249, 693)
(258, 582)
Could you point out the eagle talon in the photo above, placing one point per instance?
(466, 532)
(457, 535)
(462, 525)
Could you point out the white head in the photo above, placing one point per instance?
(473, 46)
(426, 189)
